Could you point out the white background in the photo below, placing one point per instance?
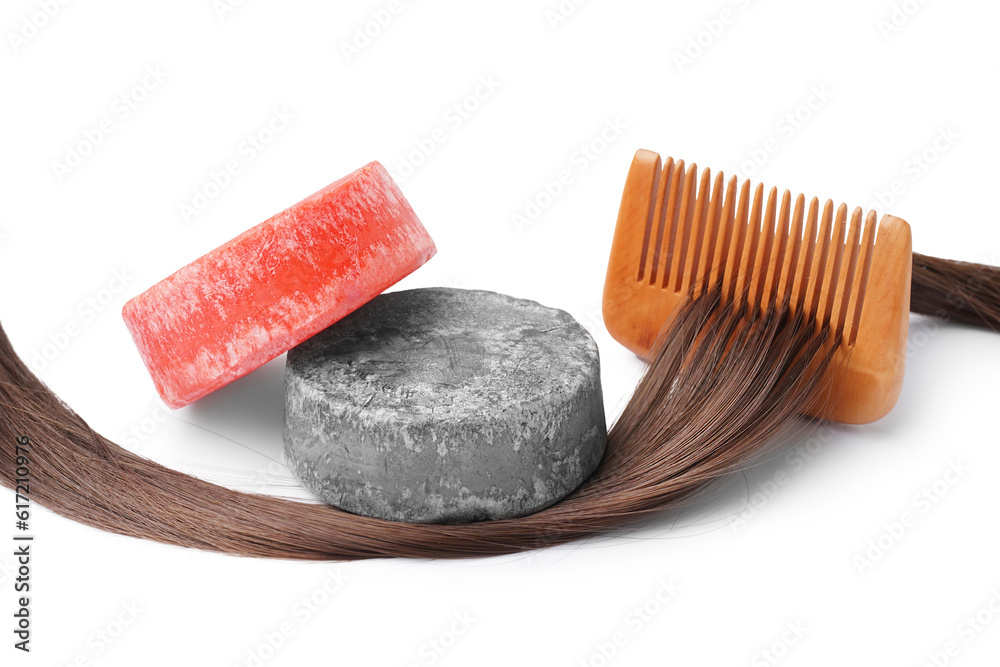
(790, 560)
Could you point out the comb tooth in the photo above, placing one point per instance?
(845, 282)
(659, 217)
(745, 269)
(836, 257)
(783, 292)
(818, 268)
(804, 268)
(724, 235)
(764, 253)
(860, 285)
(689, 273)
(654, 199)
(776, 263)
(709, 234)
(739, 233)
(679, 239)
(675, 218)
(689, 238)
(668, 207)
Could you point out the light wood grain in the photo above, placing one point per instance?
(680, 231)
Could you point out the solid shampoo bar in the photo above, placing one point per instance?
(275, 285)
(445, 405)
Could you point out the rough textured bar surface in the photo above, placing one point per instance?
(445, 405)
(275, 285)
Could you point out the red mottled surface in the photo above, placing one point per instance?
(275, 285)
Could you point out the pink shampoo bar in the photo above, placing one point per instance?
(277, 284)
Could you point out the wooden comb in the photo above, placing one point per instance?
(678, 234)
